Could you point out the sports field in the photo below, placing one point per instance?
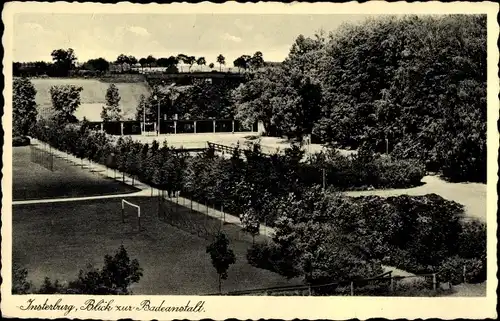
(92, 97)
(58, 239)
(33, 181)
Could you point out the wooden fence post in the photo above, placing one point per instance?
(352, 288)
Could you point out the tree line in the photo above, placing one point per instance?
(64, 63)
(415, 86)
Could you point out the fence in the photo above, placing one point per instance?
(174, 127)
(381, 285)
(42, 157)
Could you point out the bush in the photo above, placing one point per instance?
(362, 171)
(452, 270)
(472, 240)
(269, 257)
(20, 141)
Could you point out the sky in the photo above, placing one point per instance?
(163, 35)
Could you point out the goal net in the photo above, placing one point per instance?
(131, 213)
(42, 157)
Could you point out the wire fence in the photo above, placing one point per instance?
(42, 157)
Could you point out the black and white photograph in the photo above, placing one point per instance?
(217, 155)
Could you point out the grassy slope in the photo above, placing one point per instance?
(33, 181)
(92, 96)
(56, 240)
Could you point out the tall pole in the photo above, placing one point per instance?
(158, 133)
(324, 179)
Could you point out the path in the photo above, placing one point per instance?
(76, 199)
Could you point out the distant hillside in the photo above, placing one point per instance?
(92, 96)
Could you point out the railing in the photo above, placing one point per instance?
(221, 148)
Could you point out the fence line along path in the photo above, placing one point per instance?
(145, 190)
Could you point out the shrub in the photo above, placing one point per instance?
(20, 283)
(20, 141)
(472, 240)
(269, 257)
(452, 270)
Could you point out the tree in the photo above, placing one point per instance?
(116, 276)
(211, 66)
(20, 283)
(242, 62)
(24, 107)
(111, 111)
(250, 222)
(65, 100)
(201, 61)
(191, 60)
(99, 64)
(221, 255)
(221, 61)
(63, 60)
(172, 63)
(150, 61)
(143, 62)
(132, 60)
(257, 61)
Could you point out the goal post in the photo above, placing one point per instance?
(125, 202)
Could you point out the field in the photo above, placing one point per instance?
(59, 239)
(33, 181)
(92, 96)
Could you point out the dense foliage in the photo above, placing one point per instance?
(204, 100)
(221, 255)
(326, 237)
(111, 111)
(413, 85)
(65, 101)
(115, 277)
(24, 107)
(420, 82)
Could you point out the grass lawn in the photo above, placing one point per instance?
(59, 239)
(33, 181)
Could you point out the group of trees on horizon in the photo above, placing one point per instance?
(64, 62)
